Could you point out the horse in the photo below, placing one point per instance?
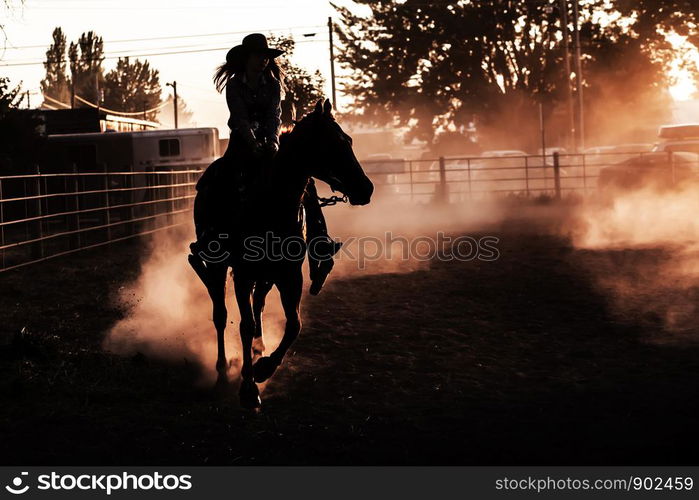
(316, 147)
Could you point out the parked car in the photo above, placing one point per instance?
(515, 171)
(657, 170)
(497, 171)
(619, 149)
(675, 138)
(594, 159)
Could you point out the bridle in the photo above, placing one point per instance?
(333, 200)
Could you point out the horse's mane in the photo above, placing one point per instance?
(288, 129)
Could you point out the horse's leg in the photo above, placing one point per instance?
(249, 394)
(290, 288)
(216, 285)
(262, 288)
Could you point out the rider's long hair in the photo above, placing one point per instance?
(235, 65)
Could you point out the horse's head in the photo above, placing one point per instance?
(329, 154)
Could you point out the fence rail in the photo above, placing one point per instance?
(454, 179)
(47, 215)
(43, 216)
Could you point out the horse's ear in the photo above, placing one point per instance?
(319, 106)
(327, 107)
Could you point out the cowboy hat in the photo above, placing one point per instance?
(255, 42)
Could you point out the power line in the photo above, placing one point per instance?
(35, 63)
(123, 113)
(102, 108)
(280, 30)
(102, 8)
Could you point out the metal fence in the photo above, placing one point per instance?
(454, 179)
(48, 215)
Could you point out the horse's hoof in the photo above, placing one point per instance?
(249, 395)
(258, 346)
(264, 368)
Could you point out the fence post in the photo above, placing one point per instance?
(132, 211)
(468, 167)
(174, 193)
(526, 174)
(76, 240)
(107, 216)
(2, 226)
(25, 191)
(39, 212)
(671, 159)
(442, 194)
(557, 174)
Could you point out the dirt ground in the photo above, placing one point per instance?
(525, 360)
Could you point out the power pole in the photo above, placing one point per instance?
(29, 105)
(578, 76)
(542, 131)
(569, 88)
(174, 88)
(97, 93)
(332, 60)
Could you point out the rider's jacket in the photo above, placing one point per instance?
(256, 110)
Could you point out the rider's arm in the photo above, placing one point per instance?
(273, 112)
(239, 121)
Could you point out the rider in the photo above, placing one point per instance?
(254, 86)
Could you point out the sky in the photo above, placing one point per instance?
(224, 22)
(203, 30)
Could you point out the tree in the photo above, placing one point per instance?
(132, 87)
(166, 114)
(20, 145)
(303, 88)
(9, 97)
(654, 21)
(129, 87)
(434, 66)
(86, 72)
(56, 83)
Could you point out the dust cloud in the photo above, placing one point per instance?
(169, 313)
(378, 237)
(646, 248)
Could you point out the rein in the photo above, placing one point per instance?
(333, 200)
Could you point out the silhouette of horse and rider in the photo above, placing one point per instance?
(262, 190)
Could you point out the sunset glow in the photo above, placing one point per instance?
(683, 67)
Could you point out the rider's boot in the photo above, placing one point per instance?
(321, 267)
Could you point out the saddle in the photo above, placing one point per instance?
(225, 203)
